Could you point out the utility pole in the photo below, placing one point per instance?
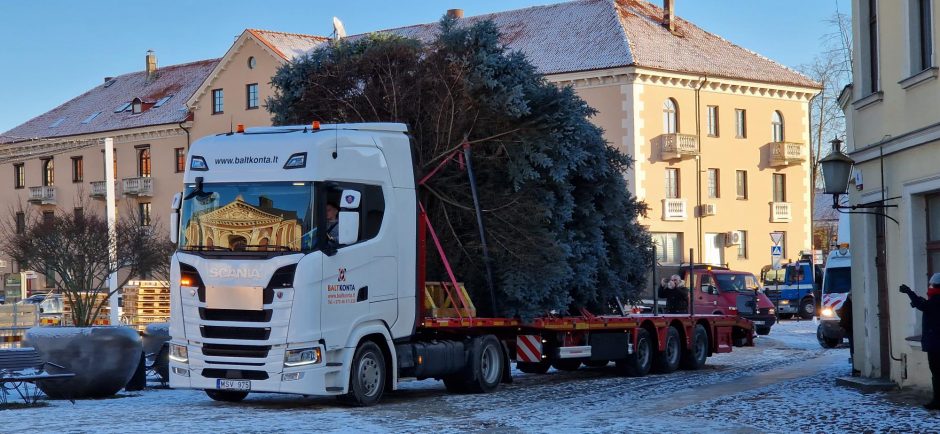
(110, 209)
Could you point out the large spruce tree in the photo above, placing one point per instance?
(561, 224)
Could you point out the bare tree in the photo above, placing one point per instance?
(74, 249)
(832, 68)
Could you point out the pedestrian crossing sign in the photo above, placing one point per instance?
(776, 250)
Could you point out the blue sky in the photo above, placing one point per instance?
(54, 50)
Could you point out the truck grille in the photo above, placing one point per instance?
(245, 333)
(764, 311)
(772, 294)
(235, 374)
(235, 315)
(224, 350)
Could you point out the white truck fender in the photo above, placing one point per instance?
(362, 330)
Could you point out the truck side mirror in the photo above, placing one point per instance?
(348, 227)
(175, 218)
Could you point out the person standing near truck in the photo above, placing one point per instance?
(930, 336)
(676, 294)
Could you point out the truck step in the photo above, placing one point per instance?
(334, 389)
(331, 364)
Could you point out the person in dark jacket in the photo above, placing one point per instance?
(676, 295)
(930, 336)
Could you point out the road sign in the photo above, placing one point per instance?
(776, 256)
(776, 237)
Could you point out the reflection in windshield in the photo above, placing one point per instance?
(246, 217)
(838, 280)
(736, 282)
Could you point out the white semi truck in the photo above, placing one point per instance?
(300, 269)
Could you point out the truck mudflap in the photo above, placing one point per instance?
(724, 339)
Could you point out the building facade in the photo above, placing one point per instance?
(718, 133)
(893, 136)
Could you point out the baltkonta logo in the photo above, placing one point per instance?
(342, 275)
(236, 273)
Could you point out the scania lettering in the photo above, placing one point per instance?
(270, 294)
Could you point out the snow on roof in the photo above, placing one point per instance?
(178, 82)
(596, 34)
(288, 45)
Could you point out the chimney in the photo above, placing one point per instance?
(455, 13)
(669, 15)
(107, 79)
(151, 63)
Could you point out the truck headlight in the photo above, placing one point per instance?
(784, 301)
(179, 353)
(772, 311)
(301, 357)
(827, 312)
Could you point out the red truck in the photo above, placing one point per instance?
(720, 291)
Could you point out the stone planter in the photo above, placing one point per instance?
(102, 358)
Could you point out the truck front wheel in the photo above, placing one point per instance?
(807, 308)
(367, 378)
(639, 363)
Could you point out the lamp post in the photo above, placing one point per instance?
(836, 170)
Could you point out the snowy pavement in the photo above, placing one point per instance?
(786, 383)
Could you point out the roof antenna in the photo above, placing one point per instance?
(335, 142)
(339, 30)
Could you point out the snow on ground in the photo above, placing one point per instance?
(786, 383)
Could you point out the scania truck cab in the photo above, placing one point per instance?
(300, 269)
(796, 294)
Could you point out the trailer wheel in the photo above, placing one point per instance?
(639, 363)
(668, 360)
(566, 364)
(226, 395)
(695, 357)
(533, 368)
(807, 308)
(367, 378)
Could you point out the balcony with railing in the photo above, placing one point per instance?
(674, 210)
(676, 146)
(780, 212)
(138, 186)
(43, 195)
(99, 189)
(784, 154)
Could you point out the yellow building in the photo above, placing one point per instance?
(718, 133)
(893, 136)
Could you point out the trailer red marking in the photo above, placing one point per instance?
(529, 348)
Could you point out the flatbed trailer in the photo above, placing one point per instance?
(264, 297)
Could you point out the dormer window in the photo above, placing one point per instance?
(138, 105)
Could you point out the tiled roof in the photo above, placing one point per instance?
(288, 45)
(76, 116)
(586, 35)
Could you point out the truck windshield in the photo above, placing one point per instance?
(838, 280)
(740, 282)
(247, 217)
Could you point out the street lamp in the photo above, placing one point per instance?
(836, 169)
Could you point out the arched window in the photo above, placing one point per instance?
(48, 172)
(777, 126)
(670, 116)
(143, 163)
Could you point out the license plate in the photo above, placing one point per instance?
(762, 322)
(233, 384)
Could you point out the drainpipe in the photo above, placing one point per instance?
(698, 168)
(187, 133)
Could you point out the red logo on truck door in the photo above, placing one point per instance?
(342, 275)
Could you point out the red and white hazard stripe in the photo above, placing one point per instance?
(833, 301)
(529, 348)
